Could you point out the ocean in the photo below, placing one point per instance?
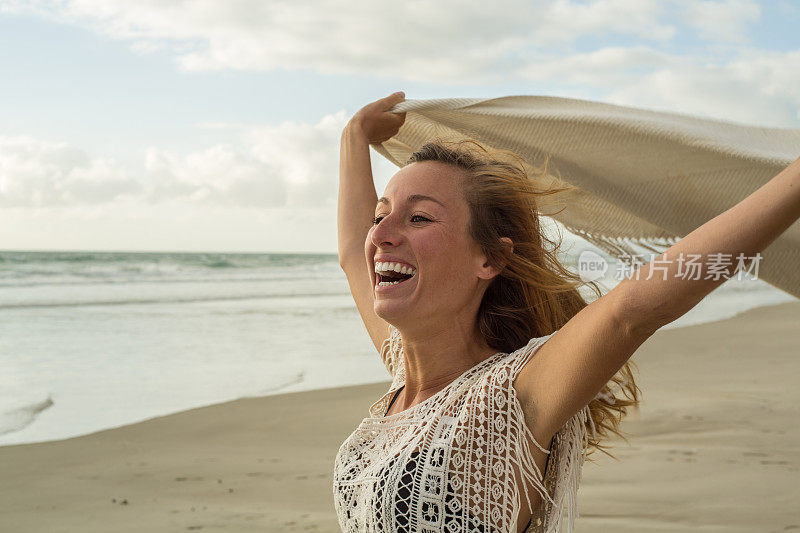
(96, 340)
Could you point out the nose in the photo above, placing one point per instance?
(385, 233)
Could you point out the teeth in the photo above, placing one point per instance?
(397, 267)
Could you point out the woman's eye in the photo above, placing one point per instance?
(377, 219)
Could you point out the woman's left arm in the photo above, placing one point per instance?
(581, 357)
(663, 290)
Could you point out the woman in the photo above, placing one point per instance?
(502, 373)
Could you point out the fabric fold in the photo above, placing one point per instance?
(645, 178)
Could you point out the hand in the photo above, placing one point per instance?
(377, 122)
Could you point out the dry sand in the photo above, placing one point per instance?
(713, 448)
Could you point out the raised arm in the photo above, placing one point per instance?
(372, 124)
(746, 229)
(574, 365)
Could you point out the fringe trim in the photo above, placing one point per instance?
(524, 436)
(620, 246)
(573, 443)
(570, 447)
(528, 467)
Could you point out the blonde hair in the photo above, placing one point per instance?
(534, 294)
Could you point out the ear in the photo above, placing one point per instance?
(488, 271)
(508, 242)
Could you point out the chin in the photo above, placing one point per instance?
(389, 310)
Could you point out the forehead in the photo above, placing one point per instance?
(430, 178)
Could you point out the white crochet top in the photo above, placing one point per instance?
(452, 462)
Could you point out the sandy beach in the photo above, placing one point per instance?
(713, 448)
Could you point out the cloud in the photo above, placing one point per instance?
(721, 21)
(287, 165)
(758, 88)
(561, 43)
(40, 173)
(604, 67)
(445, 41)
(220, 175)
(306, 155)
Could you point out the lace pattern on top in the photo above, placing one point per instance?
(391, 350)
(459, 461)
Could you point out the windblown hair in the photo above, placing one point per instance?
(534, 294)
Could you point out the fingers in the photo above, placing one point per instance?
(377, 118)
(399, 96)
(394, 99)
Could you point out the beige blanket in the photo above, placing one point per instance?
(645, 178)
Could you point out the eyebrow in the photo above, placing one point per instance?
(412, 199)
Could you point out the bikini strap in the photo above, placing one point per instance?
(396, 393)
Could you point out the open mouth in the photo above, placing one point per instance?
(388, 279)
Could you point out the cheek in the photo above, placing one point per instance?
(433, 243)
(444, 254)
(456, 260)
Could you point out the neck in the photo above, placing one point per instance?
(436, 356)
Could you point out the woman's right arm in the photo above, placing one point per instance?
(357, 196)
(373, 124)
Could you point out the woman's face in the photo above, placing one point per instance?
(430, 235)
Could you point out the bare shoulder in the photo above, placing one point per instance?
(530, 401)
(574, 364)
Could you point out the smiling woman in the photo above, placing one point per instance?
(492, 349)
(459, 288)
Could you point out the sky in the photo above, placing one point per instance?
(168, 125)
